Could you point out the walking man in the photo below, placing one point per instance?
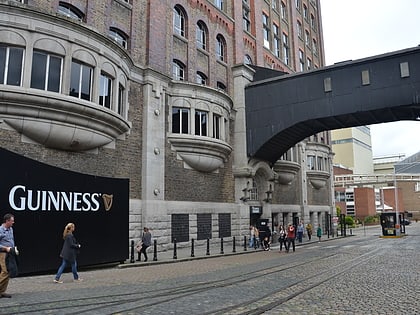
(291, 235)
(7, 245)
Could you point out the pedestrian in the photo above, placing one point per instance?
(251, 236)
(7, 247)
(309, 231)
(282, 238)
(291, 235)
(319, 233)
(69, 253)
(257, 238)
(146, 241)
(300, 230)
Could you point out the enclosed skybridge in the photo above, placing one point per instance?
(284, 110)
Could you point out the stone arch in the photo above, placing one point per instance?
(50, 45)
(10, 37)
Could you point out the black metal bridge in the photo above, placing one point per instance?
(284, 110)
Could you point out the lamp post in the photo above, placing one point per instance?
(397, 223)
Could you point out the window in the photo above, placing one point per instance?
(274, 4)
(313, 22)
(201, 78)
(81, 80)
(178, 70)
(283, 11)
(179, 21)
(308, 64)
(70, 11)
(301, 61)
(286, 49)
(121, 93)
(266, 31)
(297, 4)
(219, 4)
(201, 35)
(311, 162)
(305, 12)
(180, 119)
(314, 46)
(220, 48)
(299, 29)
(221, 86)
(217, 125)
(417, 187)
(246, 18)
(105, 90)
(307, 38)
(247, 60)
(201, 123)
(46, 72)
(253, 191)
(276, 40)
(11, 61)
(320, 163)
(118, 36)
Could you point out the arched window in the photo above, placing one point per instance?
(247, 60)
(201, 35)
(220, 48)
(201, 78)
(180, 21)
(178, 70)
(70, 11)
(221, 86)
(118, 36)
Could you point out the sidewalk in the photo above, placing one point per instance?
(200, 251)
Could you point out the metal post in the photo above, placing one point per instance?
(192, 247)
(234, 245)
(221, 246)
(245, 247)
(132, 252)
(175, 257)
(208, 247)
(154, 250)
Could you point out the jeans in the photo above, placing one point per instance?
(300, 236)
(63, 266)
(290, 241)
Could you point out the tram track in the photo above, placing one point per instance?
(135, 301)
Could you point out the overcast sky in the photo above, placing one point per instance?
(361, 28)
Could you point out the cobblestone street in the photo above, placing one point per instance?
(361, 274)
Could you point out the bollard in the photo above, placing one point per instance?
(154, 250)
(175, 257)
(221, 246)
(132, 252)
(234, 245)
(208, 247)
(351, 231)
(245, 247)
(192, 247)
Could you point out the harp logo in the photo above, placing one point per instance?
(107, 201)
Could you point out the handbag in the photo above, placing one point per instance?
(138, 246)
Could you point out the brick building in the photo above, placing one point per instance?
(153, 91)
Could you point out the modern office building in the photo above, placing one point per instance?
(352, 148)
(153, 91)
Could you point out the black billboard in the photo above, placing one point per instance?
(44, 199)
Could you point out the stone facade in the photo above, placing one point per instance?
(139, 47)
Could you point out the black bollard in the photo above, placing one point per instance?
(221, 246)
(132, 252)
(208, 247)
(192, 247)
(175, 257)
(234, 245)
(154, 250)
(245, 247)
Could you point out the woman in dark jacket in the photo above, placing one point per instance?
(68, 253)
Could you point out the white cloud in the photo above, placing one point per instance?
(358, 29)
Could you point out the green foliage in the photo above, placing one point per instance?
(349, 221)
(371, 219)
(338, 211)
